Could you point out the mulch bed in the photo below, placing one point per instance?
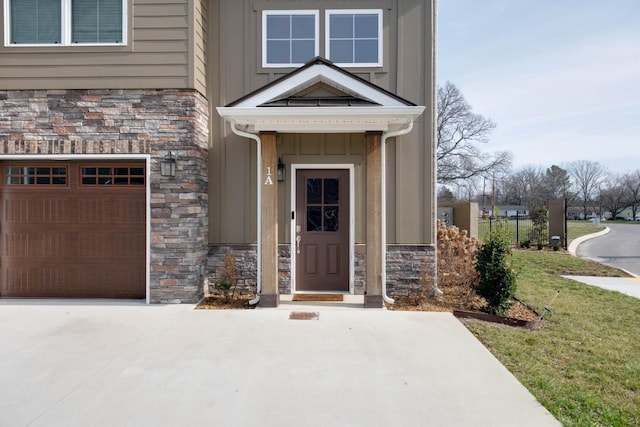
(220, 302)
(520, 315)
(465, 304)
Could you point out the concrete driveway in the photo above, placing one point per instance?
(103, 363)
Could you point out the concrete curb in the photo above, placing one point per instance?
(573, 247)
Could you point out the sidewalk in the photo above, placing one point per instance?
(68, 363)
(626, 285)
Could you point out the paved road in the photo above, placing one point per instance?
(619, 248)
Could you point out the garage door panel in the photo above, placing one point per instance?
(27, 280)
(21, 210)
(37, 243)
(106, 245)
(72, 240)
(118, 209)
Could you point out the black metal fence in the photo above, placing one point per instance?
(522, 229)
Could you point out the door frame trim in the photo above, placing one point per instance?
(350, 167)
(80, 157)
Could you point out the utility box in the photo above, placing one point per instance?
(445, 215)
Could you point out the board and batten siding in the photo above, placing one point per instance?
(165, 49)
(408, 70)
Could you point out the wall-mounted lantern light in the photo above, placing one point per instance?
(168, 165)
(282, 172)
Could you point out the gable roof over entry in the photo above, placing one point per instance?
(320, 97)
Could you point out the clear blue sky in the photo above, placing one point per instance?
(561, 78)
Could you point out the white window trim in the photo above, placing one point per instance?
(266, 13)
(65, 27)
(327, 32)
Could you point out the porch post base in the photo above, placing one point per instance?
(373, 301)
(269, 300)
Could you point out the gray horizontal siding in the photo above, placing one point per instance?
(158, 55)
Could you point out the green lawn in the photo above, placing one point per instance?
(580, 228)
(584, 363)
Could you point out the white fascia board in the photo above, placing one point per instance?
(362, 113)
(321, 119)
(326, 75)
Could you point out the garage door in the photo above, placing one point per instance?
(72, 229)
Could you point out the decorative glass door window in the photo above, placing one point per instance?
(323, 204)
(289, 38)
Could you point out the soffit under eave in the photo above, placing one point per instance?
(321, 119)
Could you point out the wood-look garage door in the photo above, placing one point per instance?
(72, 229)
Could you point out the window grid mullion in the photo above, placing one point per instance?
(66, 22)
(290, 38)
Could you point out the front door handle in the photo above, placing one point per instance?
(298, 240)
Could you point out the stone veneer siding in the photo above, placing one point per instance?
(154, 122)
(247, 265)
(406, 267)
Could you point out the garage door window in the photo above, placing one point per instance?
(97, 175)
(32, 175)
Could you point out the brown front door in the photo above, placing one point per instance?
(72, 229)
(322, 230)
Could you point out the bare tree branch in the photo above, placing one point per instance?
(459, 131)
(587, 176)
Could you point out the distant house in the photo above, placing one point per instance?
(503, 211)
(141, 142)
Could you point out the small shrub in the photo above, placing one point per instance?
(228, 276)
(525, 244)
(497, 282)
(556, 247)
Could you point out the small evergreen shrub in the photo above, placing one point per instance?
(525, 244)
(497, 282)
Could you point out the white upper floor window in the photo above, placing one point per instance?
(65, 22)
(289, 37)
(354, 37)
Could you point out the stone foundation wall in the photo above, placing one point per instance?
(407, 266)
(247, 265)
(154, 122)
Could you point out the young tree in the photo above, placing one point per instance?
(445, 195)
(524, 187)
(587, 176)
(459, 131)
(631, 182)
(557, 183)
(613, 195)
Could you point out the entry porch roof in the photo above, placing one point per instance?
(320, 97)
